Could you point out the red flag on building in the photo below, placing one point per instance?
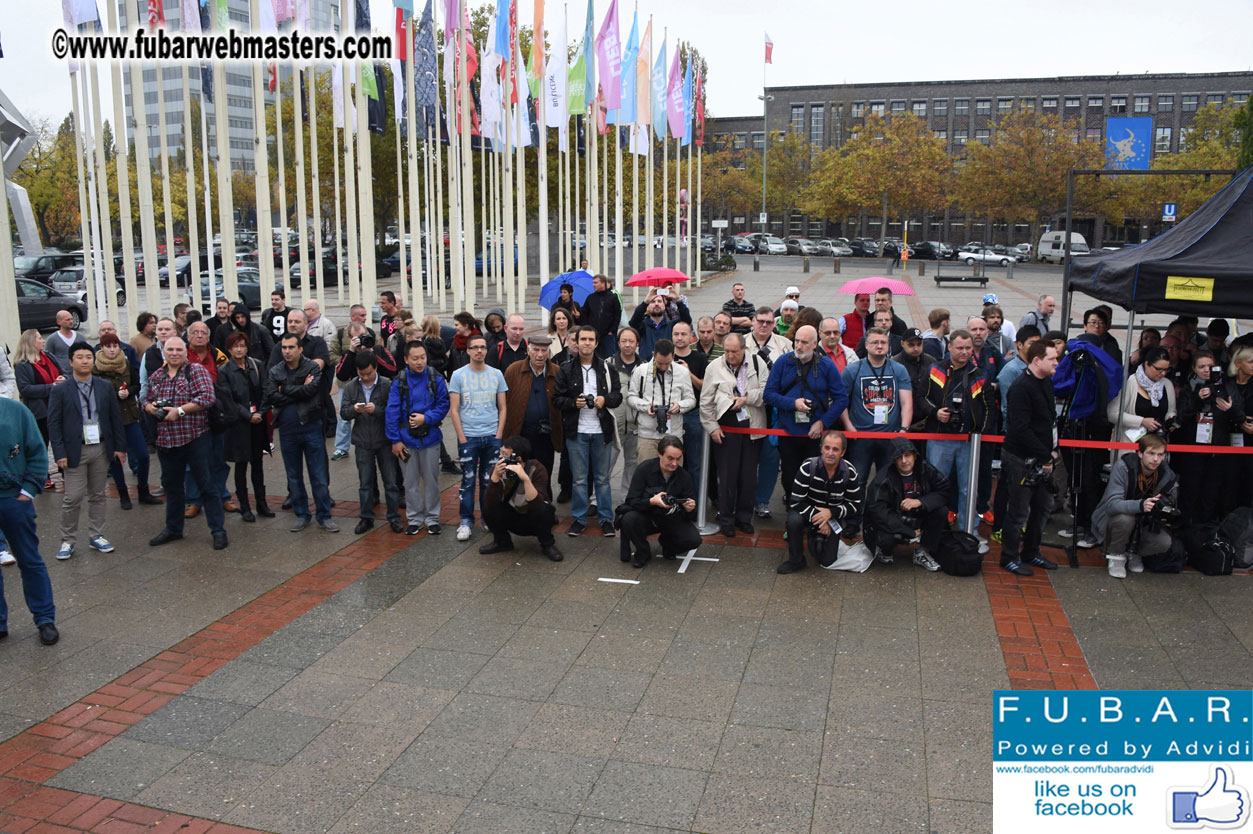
(156, 13)
(769, 48)
(402, 42)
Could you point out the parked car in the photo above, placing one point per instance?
(669, 242)
(928, 250)
(478, 261)
(1025, 249)
(41, 267)
(864, 247)
(249, 283)
(771, 245)
(987, 256)
(708, 243)
(71, 282)
(800, 246)
(743, 245)
(891, 247)
(38, 305)
(1052, 246)
(182, 272)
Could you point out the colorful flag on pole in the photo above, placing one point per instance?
(402, 39)
(369, 84)
(659, 93)
(500, 44)
(558, 89)
(398, 86)
(537, 42)
(643, 78)
(589, 65)
(224, 16)
(576, 85)
(189, 16)
(491, 110)
(156, 13)
(674, 98)
(450, 20)
(78, 12)
(376, 105)
(424, 65)
(609, 56)
(688, 105)
(627, 103)
(284, 10)
(362, 17)
(699, 126)
(769, 49)
(404, 5)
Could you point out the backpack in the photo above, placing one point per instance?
(958, 553)
(1173, 560)
(1208, 551)
(1237, 528)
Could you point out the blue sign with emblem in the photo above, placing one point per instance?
(1170, 212)
(1127, 143)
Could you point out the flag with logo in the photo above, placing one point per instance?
(426, 94)
(769, 49)
(674, 98)
(609, 57)
(156, 14)
(576, 84)
(558, 84)
(658, 82)
(699, 126)
(643, 78)
(626, 107)
(687, 103)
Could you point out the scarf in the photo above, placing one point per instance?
(47, 368)
(115, 366)
(460, 342)
(1155, 389)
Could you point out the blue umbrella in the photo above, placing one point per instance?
(580, 279)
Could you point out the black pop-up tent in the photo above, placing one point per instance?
(1203, 266)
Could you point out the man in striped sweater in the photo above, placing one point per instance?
(825, 494)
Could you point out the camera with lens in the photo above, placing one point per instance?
(954, 407)
(545, 427)
(1165, 509)
(669, 500)
(588, 401)
(1169, 425)
(812, 405)
(162, 407)
(365, 341)
(1216, 384)
(1035, 474)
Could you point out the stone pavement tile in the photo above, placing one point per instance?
(720, 629)
(625, 653)
(949, 816)
(705, 660)
(488, 717)
(1223, 658)
(473, 634)
(437, 668)
(405, 707)
(680, 696)
(367, 655)
(387, 809)
(874, 611)
(743, 805)
(648, 794)
(334, 617)
(786, 633)
(296, 800)
(958, 738)
(783, 706)
(120, 769)
(511, 677)
(672, 742)
(186, 722)
(601, 688)
(74, 669)
(848, 811)
(873, 713)
(11, 725)
(571, 615)
(491, 818)
(1123, 666)
(901, 677)
(345, 748)
(428, 601)
(293, 648)
(512, 608)
(595, 825)
(583, 731)
(770, 753)
(894, 766)
(318, 694)
(582, 585)
(549, 645)
(519, 581)
(243, 682)
(205, 785)
(267, 736)
(543, 779)
(636, 617)
(961, 675)
(730, 600)
(809, 667)
(446, 765)
(878, 641)
(101, 620)
(160, 629)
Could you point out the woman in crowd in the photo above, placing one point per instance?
(809, 316)
(1209, 413)
(1149, 337)
(111, 365)
(36, 373)
(396, 342)
(1239, 468)
(436, 352)
(624, 363)
(240, 382)
(494, 327)
(559, 328)
(1149, 396)
(464, 326)
(566, 302)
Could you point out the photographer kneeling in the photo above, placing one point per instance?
(1142, 493)
(516, 500)
(660, 501)
(908, 502)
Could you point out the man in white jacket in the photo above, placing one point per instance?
(732, 397)
(661, 393)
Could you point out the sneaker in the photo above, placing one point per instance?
(414, 529)
(606, 529)
(1016, 567)
(923, 559)
(762, 511)
(996, 536)
(1042, 562)
(881, 557)
(329, 525)
(988, 517)
(65, 551)
(952, 516)
(1086, 540)
(576, 529)
(7, 558)
(1117, 566)
(156, 492)
(983, 545)
(1134, 563)
(433, 529)
(102, 544)
(463, 532)
(1066, 533)
(338, 455)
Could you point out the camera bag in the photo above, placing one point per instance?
(958, 553)
(1208, 551)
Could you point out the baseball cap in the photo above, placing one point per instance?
(910, 334)
(793, 291)
(991, 298)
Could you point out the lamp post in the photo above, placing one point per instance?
(765, 147)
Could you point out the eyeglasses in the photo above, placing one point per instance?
(830, 333)
(766, 322)
(1161, 369)
(796, 295)
(478, 347)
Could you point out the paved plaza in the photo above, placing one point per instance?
(314, 682)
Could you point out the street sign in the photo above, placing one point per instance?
(719, 224)
(1170, 212)
(761, 218)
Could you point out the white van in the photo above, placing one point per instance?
(1052, 247)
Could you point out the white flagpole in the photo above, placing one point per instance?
(434, 266)
(353, 273)
(591, 187)
(455, 250)
(617, 209)
(563, 203)
(165, 178)
(602, 208)
(208, 189)
(452, 268)
(635, 212)
(678, 207)
(485, 192)
(88, 217)
(665, 194)
(319, 283)
(693, 268)
(519, 223)
(226, 215)
(365, 191)
(577, 160)
(699, 210)
(261, 178)
(508, 191)
(143, 171)
(498, 229)
(400, 218)
(467, 160)
(189, 171)
(339, 225)
(411, 132)
(302, 213)
(120, 156)
(284, 217)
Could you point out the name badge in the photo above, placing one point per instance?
(742, 415)
(1204, 428)
(834, 526)
(1237, 441)
(91, 433)
(802, 416)
(880, 415)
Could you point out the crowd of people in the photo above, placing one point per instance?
(650, 388)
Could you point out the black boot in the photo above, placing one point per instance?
(263, 509)
(124, 495)
(146, 496)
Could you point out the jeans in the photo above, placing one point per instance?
(767, 471)
(1025, 505)
(343, 434)
(944, 455)
(17, 524)
(218, 470)
(174, 461)
(861, 453)
(506, 521)
(306, 445)
(382, 459)
(590, 450)
(137, 458)
(693, 443)
(1118, 537)
(476, 454)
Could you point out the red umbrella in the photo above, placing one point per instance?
(660, 276)
(868, 286)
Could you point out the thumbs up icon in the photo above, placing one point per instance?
(1221, 805)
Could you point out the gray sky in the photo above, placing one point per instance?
(910, 40)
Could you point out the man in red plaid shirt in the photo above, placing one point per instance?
(178, 398)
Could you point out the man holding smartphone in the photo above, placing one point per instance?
(417, 402)
(363, 403)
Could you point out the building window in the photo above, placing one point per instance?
(1074, 136)
(1027, 105)
(1049, 103)
(817, 124)
(983, 136)
(1185, 138)
(853, 135)
(961, 107)
(1189, 106)
(1004, 105)
(1096, 102)
(1118, 104)
(898, 106)
(1161, 140)
(1216, 99)
(959, 136)
(1165, 104)
(798, 118)
(1094, 134)
(920, 109)
(759, 141)
(1239, 99)
(983, 106)
(939, 107)
(941, 134)
(1072, 102)
(876, 108)
(738, 142)
(1142, 104)
(859, 109)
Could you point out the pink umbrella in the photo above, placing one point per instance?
(869, 286)
(659, 276)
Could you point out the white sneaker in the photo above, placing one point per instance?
(65, 551)
(881, 557)
(1066, 533)
(983, 545)
(463, 532)
(1086, 540)
(7, 558)
(1117, 566)
(1134, 563)
(923, 559)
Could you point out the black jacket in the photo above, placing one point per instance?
(918, 370)
(570, 386)
(239, 390)
(500, 356)
(649, 480)
(65, 420)
(34, 393)
(284, 386)
(260, 342)
(603, 311)
(887, 491)
(1031, 417)
(369, 431)
(939, 389)
(347, 368)
(1191, 406)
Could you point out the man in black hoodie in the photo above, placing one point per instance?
(603, 311)
(908, 502)
(260, 342)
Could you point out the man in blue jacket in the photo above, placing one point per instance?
(808, 396)
(416, 406)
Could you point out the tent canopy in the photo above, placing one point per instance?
(1203, 266)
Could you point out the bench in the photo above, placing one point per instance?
(960, 277)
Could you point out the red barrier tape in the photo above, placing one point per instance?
(998, 438)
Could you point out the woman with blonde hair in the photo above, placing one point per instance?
(36, 373)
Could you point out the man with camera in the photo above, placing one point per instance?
(417, 403)
(826, 492)
(1142, 493)
(517, 501)
(529, 407)
(1027, 462)
(661, 500)
(364, 403)
(661, 393)
(350, 342)
(907, 503)
(586, 391)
